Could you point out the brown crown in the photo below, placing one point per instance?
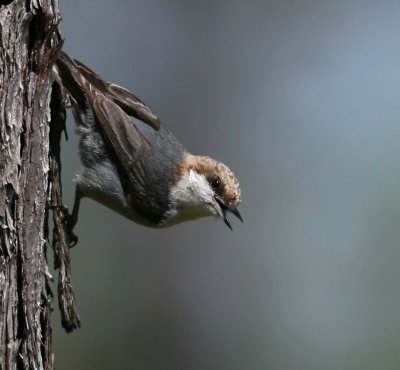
(229, 189)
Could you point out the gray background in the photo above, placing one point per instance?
(302, 100)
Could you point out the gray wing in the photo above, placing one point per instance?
(129, 147)
(125, 140)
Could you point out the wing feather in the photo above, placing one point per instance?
(129, 102)
(126, 140)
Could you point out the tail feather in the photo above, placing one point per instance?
(80, 80)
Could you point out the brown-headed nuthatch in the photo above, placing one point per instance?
(133, 164)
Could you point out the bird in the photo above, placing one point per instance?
(133, 164)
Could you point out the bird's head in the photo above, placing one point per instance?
(204, 187)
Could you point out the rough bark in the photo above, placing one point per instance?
(29, 42)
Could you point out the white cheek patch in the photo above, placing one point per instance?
(199, 187)
(191, 198)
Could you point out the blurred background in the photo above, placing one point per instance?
(302, 100)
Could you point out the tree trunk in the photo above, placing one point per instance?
(28, 45)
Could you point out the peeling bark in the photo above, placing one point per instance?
(29, 42)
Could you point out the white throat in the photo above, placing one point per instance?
(190, 198)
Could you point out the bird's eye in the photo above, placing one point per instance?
(215, 183)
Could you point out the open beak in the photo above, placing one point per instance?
(222, 208)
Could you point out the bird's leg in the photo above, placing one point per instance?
(72, 218)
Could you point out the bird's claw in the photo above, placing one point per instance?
(68, 222)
